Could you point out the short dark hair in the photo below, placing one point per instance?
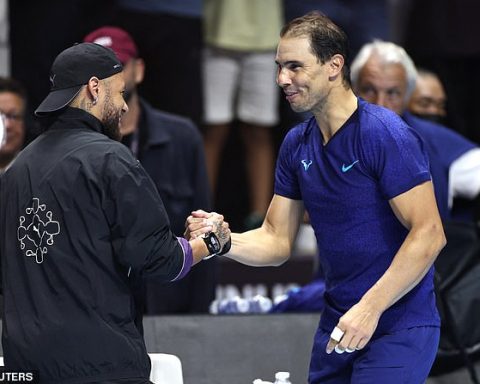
(326, 38)
(7, 84)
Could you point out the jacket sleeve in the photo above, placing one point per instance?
(140, 229)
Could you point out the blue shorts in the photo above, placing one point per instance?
(405, 357)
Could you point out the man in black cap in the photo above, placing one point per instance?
(83, 223)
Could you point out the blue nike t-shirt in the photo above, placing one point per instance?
(345, 186)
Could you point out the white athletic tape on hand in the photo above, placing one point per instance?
(348, 350)
(337, 334)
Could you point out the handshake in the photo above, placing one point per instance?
(212, 228)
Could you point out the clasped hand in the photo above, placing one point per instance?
(200, 222)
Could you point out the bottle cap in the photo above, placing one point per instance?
(282, 375)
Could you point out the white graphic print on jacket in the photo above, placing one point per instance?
(36, 230)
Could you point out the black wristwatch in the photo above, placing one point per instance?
(212, 243)
(214, 247)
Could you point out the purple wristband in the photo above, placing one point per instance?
(187, 258)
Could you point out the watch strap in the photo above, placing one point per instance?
(226, 247)
(212, 243)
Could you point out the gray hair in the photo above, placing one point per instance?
(388, 53)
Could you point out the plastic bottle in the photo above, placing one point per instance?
(230, 291)
(248, 291)
(282, 378)
(233, 305)
(261, 289)
(259, 304)
(213, 308)
(278, 290)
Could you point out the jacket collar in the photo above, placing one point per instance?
(75, 118)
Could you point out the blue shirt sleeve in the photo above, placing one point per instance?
(395, 153)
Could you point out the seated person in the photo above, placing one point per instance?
(428, 100)
(383, 73)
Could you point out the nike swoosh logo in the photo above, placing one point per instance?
(346, 168)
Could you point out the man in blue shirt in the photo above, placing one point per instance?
(363, 176)
(383, 73)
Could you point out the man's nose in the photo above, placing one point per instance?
(283, 78)
(8, 123)
(380, 99)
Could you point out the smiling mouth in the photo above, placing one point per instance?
(290, 95)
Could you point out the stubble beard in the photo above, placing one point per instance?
(111, 125)
(303, 103)
(111, 120)
(300, 107)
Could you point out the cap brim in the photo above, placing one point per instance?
(57, 100)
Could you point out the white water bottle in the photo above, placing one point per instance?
(282, 378)
(259, 304)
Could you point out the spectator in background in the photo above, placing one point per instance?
(13, 104)
(170, 149)
(239, 83)
(428, 100)
(383, 73)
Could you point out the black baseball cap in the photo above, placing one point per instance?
(72, 69)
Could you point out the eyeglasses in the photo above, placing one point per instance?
(11, 116)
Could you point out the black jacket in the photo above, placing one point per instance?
(78, 218)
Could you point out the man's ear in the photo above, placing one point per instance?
(93, 89)
(335, 66)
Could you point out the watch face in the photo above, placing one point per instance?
(214, 242)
